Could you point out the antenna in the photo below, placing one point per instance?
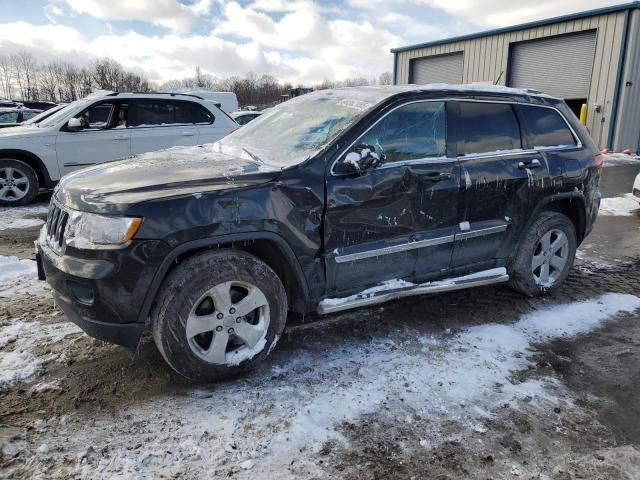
(498, 79)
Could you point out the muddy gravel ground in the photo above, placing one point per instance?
(480, 384)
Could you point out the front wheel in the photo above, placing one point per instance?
(218, 315)
(545, 255)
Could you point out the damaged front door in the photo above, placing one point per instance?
(393, 218)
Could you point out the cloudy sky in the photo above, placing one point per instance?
(300, 41)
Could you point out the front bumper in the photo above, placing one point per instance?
(102, 292)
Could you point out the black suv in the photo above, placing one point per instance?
(333, 200)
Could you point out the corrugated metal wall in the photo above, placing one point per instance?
(486, 58)
(627, 133)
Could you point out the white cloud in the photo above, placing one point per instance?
(51, 11)
(168, 13)
(490, 13)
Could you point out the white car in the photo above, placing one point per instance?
(101, 127)
(244, 116)
(636, 188)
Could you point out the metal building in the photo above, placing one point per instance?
(590, 57)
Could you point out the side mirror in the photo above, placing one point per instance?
(360, 160)
(74, 124)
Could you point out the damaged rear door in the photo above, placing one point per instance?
(397, 220)
(498, 177)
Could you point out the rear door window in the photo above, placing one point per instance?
(546, 127)
(151, 112)
(410, 132)
(488, 128)
(193, 113)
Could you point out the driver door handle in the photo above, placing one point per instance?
(187, 134)
(121, 137)
(535, 163)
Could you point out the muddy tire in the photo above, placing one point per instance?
(218, 315)
(19, 183)
(545, 255)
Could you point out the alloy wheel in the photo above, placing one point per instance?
(550, 257)
(229, 323)
(14, 185)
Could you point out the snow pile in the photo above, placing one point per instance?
(13, 269)
(16, 367)
(624, 205)
(272, 425)
(22, 217)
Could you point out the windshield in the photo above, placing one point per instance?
(299, 128)
(41, 116)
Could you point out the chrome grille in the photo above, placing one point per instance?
(56, 225)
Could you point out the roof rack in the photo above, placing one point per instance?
(173, 94)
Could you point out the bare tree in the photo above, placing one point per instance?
(385, 78)
(5, 76)
(24, 67)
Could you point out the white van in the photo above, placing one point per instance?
(227, 100)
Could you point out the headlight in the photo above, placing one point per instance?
(91, 231)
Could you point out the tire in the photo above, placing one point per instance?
(19, 183)
(193, 299)
(527, 270)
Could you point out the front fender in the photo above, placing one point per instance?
(195, 246)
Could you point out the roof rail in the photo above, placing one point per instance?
(173, 94)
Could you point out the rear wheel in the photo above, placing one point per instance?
(218, 315)
(545, 255)
(18, 182)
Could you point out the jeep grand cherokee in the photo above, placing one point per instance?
(334, 200)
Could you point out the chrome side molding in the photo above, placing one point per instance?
(364, 299)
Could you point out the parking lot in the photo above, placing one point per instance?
(482, 383)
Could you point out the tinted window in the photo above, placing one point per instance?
(410, 132)
(546, 127)
(152, 112)
(189, 112)
(28, 115)
(489, 127)
(9, 117)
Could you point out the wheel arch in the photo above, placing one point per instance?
(572, 205)
(266, 246)
(33, 161)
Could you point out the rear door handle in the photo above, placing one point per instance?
(437, 176)
(121, 137)
(187, 134)
(535, 163)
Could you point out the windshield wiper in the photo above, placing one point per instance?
(252, 155)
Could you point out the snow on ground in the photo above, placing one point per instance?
(12, 269)
(22, 336)
(23, 217)
(623, 205)
(23, 362)
(273, 424)
(611, 159)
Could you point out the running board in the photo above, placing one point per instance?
(366, 299)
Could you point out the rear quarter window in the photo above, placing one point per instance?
(488, 127)
(545, 127)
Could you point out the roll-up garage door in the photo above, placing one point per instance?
(559, 66)
(440, 69)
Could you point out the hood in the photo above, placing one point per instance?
(17, 131)
(113, 187)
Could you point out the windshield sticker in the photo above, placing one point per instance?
(355, 104)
